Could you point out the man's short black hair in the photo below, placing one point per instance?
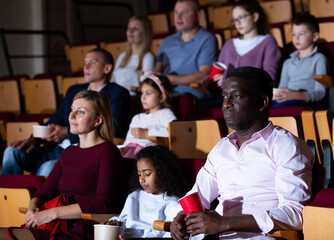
(309, 20)
(259, 82)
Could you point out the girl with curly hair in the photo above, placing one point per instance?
(160, 185)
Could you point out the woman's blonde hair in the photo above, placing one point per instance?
(146, 45)
(101, 105)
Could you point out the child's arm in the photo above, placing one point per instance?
(139, 133)
(287, 94)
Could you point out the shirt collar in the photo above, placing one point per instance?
(295, 53)
(99, 90)
(264, 133)
(197, 35)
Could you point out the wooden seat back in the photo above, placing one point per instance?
(11, 199)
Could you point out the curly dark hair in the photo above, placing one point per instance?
(170, 178)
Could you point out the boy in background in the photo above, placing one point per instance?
(297, 87)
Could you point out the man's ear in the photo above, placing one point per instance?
(107, 68)
(198, 16)
(264, 103)
(315, 37)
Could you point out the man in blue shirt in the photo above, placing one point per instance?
(186, 56)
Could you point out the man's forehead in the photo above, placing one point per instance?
(237, 82)
(93, 56)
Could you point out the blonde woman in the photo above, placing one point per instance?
(85, 174)
(138, 56)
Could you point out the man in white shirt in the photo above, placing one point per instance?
(260, 173)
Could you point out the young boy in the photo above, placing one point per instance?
(297, 87)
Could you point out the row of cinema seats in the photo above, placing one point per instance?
(191, 141)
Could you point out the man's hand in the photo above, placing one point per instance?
(58, 134)
(139, 133)
(29, 144)
(178, 227)
(209, 223)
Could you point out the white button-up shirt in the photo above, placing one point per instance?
(269, 177)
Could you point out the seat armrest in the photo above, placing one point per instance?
(287, 234)
(162, 225)
(98, 218)
(164, 141)
(325, 80)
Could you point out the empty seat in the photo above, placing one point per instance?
(11, 199)
(76, 55)
(16, 192)
(278, 11)
(222, 17)
(159, 23)
(69, 81)
(10, 97)
(18, 130)
(322, 8)
(40, 96)
(115, 48)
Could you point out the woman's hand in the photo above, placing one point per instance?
(218, 78)
(141, 133)
(39, 217)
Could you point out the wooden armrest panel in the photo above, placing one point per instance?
(287, 234)
(162, 225)
(118, 141)
(199, 86)
(159, 140)
(318, 222)
(23, 210)
(325, 80)
(98, 218)
(135, 89)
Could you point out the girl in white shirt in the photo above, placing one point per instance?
(138, 57)
(155, 100)
(160, 185)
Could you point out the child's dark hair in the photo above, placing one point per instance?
(170, 178)
(166, 85)
(309, 20)
(253, 6)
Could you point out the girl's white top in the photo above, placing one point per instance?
(141, 209)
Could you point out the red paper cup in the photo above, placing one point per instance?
(217, 68)
(192, 203)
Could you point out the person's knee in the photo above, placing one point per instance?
(46, 168)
